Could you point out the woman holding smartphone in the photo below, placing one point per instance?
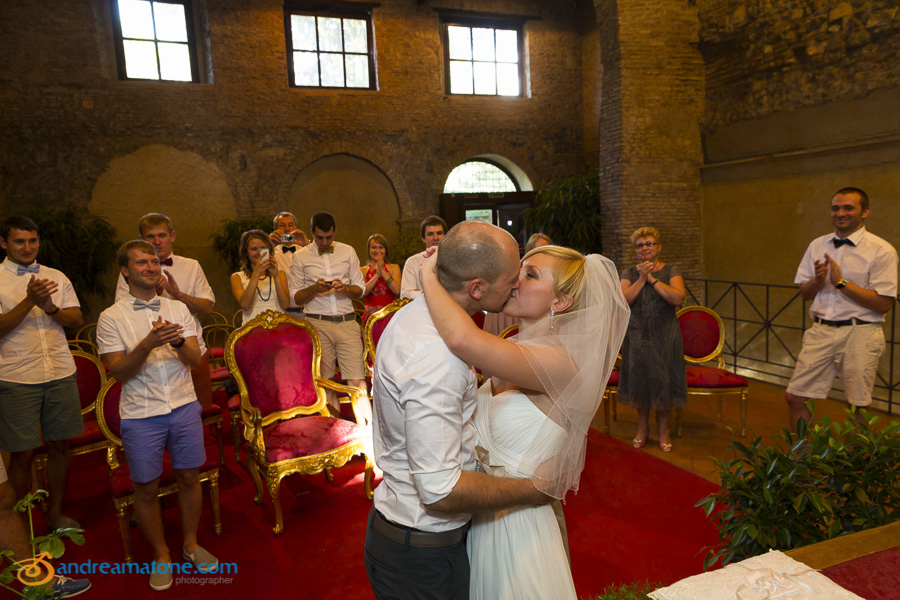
(260, 285)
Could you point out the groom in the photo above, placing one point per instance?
(424, 395)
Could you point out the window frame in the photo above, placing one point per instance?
(342, 10)
(488, 161)
(489, 21)
(191, 43)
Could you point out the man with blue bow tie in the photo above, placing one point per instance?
(38, 390)
(150, 343)
(850, 277)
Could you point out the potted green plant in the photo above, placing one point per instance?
(568, 210)
(830, 479)
(36, 573)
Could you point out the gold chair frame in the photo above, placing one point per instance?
(254, 423)
(89, 333)
(368, 336)
(121, 504)
(718, 356)
(84, 346)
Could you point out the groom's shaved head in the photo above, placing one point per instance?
(472, 250)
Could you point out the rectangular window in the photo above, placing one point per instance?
(332, 48)
(155, 40)
(483, 57)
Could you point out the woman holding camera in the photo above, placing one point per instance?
(260, 285)
(382, 278)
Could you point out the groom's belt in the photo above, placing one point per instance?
(415, 537)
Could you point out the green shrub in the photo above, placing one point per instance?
(227, 240)
(831, 479)
(568, 210)
(637, 590)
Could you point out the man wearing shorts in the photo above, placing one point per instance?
(851, 278)
(150, 343)
(325, 277)
(38, 390)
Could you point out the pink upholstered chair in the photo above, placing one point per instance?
(120, 483)
(703, 335)
(90, 376)
(375, 325)
(275, 361)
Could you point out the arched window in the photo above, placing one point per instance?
(478, 176)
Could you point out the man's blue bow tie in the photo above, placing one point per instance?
(32, 268)
(152, 305)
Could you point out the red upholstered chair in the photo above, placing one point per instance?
(275, 361)
(90, 376)
(120, 483)
(375, 325)
(703, 335)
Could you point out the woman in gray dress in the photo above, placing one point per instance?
(653, 375)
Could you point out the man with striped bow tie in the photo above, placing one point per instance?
(150, 343)
(37, 373)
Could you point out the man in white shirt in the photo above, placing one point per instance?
(38, 388)
(149, 343)
(183, 280)
(325, 277)
(424, 396)
(851, 278)
(432, 231)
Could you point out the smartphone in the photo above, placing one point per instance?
(264, 255)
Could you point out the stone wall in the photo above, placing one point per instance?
(784, 55)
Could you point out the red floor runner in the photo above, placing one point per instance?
(632, 520)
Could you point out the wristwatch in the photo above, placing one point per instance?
(841, 284)
(179, 343)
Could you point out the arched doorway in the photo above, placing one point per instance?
(488, 188)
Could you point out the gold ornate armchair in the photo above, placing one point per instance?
(375, 325)
(120, 483)
(275, 361)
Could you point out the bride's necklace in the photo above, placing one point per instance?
(258, 293)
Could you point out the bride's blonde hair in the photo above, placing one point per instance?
(568, 271)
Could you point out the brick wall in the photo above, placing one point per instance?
(65, 116)
(650, 152)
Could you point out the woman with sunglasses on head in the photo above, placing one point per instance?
(652, 375)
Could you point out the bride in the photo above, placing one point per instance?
(534, 411)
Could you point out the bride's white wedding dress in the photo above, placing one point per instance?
(517, 553)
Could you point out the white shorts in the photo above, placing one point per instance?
(851, 352)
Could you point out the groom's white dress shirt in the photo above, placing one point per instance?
(424, 398)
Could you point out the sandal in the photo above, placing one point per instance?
(636, 443)
(665, 446)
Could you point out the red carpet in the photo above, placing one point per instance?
(632, 520)
(873, 577)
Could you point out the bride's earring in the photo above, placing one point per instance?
(552, 325)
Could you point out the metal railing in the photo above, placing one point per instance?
(764, 327)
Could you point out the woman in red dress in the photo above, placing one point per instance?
(382, 278)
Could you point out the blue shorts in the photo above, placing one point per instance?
(145, 441)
